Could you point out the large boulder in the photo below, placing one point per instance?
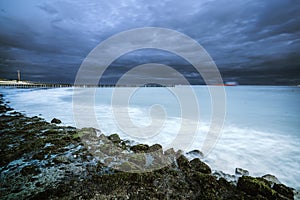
(140, 148)
(55, 121)
(114, 138)
(156, 148)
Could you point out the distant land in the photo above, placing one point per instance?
(25, 84)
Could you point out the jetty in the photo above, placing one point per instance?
(28, 84)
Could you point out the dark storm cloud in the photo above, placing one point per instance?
(253, 42)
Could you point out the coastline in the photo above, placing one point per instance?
(43, 160)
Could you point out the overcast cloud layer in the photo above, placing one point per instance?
(251, 41)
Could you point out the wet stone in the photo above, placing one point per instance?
(284, 190)
(196, 153)
(255, 186)
(140, 148)
(271, 178)
(241, 172)
(198, 165)
(156, 148)
(114, 138)
(30, 170)
(55, 121)
(183, 163)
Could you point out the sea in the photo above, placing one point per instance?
(258, 127)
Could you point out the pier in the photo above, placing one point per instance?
(26, 84)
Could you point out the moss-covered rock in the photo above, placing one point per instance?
(156, 148)
(140, 148)
(183, 163)
(197, 165)
(284, 190)
(87, 133)
(114, 138)
(256, 186)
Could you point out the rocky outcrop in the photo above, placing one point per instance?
(271, 178)
(140, 148)
(195, 153)
(284, 190)
(259, 188)
(241, 172)
(56, 121)
(40, 160)
(114, 138)
(198, 165)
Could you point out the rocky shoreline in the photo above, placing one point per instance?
(41, 160)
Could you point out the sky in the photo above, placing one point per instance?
(251, 41)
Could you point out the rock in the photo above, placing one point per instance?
(138, 159)
(30, 170)
(179, 153)
(110, 149)
(38, 184)
(196, 153)
(228, 177)
(86, 134)
(104, 139)
(271, 178)
(183, 163)
(114, 138)
(199, 166)
(125, 144)
(241, 172)
(256, 186)
(108, 160)
(99, 166)
(156, 148)
(284, 190)
(140, 148)
(170, 152)
(61, 159)
(38, 156)
(55, 121)
(127, 166)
